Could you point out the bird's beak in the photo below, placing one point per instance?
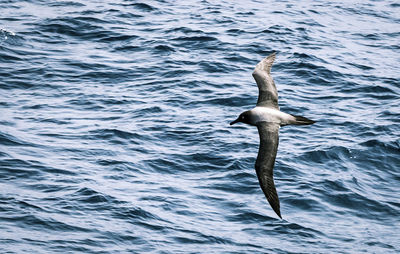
(236, 121)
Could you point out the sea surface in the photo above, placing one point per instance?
(115, 136)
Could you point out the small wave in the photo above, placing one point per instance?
(9, 140)
(164, 48)
(66, 4)
(339, 194)
(336, 153)
(10, 38)
(196, 38)
(184, 30)
(278, 30)
(129, 48)
(114, 136)
(382, 147)
(90, 196)
(5, 34)
(84, 28)
(29, 169)
(144, 7)
(215, 67)
(134, 213)
(41, 223)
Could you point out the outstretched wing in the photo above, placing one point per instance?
(269, 139)
(267, 93)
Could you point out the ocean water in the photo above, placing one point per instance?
(115, 136)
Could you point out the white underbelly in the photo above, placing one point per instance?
(264, 114)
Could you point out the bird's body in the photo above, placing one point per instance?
(268, 119)
(270, 115)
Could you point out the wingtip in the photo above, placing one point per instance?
(266, 63)
(278, 212)
(272, 54)
(271, 57)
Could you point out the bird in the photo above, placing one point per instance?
(267, 117)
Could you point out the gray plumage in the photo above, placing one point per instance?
(268, 119)
(269, 140)
(267, 93)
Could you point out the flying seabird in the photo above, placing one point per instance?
(268, 119)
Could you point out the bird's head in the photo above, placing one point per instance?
(244, 117)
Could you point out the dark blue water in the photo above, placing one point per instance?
(115, 136)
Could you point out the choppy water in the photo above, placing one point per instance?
(114, 133)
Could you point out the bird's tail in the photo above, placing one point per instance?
(301, 120)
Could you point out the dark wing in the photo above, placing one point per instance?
(267, 93)
(269, 139)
